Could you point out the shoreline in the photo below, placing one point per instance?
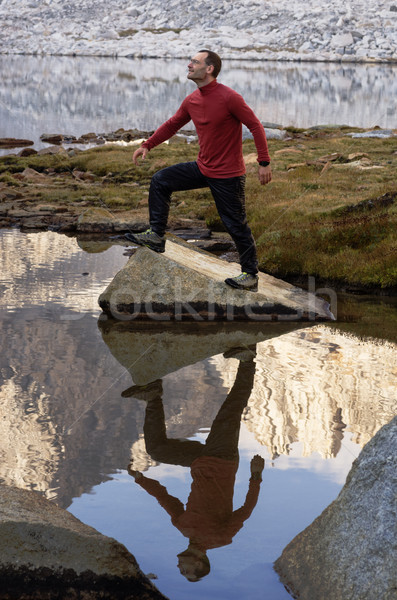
(342, 60)
(95, 193)
(213, 244)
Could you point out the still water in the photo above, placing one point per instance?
(306, 398)
(84, 94)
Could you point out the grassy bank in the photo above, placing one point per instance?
(330, 211)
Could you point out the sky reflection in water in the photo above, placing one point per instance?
(71, 424)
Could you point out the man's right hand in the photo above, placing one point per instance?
(257, 466)
(139, 152)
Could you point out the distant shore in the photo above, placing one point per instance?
(355, 32)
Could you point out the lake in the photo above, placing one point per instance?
(83, 397)
(86, 94)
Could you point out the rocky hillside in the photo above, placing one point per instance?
(360, 30)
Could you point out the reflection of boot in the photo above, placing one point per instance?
(242, 353)
(144, 392)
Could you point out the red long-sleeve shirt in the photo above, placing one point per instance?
(217, 112)
(208, 520)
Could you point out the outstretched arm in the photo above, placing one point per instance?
(164, 132)
(173, 506)
(240, 515)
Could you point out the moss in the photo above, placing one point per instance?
(334, 220)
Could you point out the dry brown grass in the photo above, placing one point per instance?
(334, 218)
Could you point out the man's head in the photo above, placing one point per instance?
(193, 566)
(204, 67)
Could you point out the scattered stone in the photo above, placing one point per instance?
(214, 245)
(281, 31)
(32, 175)
(10, 194)
(43, 547)
(376, 133)
(52, 150)
(95, 220)
(251, 159)
(350, 550)
(51, 138)
(382, 201)
(34, 222)
(120, 225)
(83, 175)
(357, 156)
(14, 143)
(89, 136)
(340, 40)
(288, 151)
(192, 233)
(27, 152)
(18, 213)
(334, 156)
(275, 134)
(362, 164)
(296, 166)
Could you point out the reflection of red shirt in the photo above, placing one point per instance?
(209, 519)
(217, 112)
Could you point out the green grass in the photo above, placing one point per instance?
(327, 220)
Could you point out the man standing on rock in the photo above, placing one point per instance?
(217, 112)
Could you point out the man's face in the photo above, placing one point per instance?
(198, 70)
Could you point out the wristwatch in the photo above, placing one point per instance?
(264, 163)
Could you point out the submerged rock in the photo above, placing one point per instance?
(188, 283)
(350, 551)
(47, 553)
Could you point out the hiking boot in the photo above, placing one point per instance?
(244, 281)
(147, 238)
(242, 353)
(151, 391)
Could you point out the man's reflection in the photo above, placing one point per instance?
(208, 520)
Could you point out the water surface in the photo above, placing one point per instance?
(73, 418)
(84, 94)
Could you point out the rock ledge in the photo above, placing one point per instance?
(350, 551)
(46, 553)
(188, 283)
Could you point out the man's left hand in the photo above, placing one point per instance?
(265, 174)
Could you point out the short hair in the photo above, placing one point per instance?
(213, 59)
(202, 567)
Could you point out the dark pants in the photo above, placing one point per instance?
(222, 441)
(229, 196)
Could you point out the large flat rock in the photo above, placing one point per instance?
(45, 552)
(350, 551)
(187, 283)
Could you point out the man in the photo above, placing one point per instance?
(217, 113)
(208, 520)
